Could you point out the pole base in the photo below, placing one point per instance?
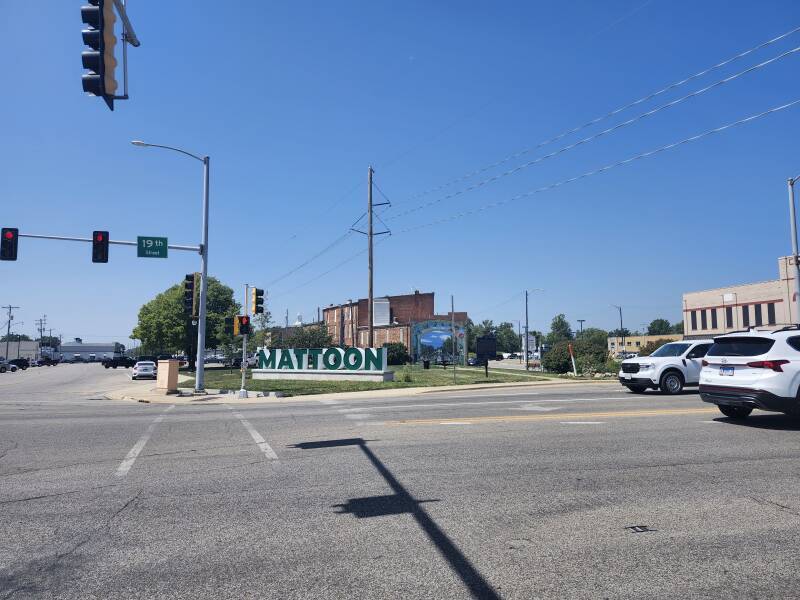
(242, 393)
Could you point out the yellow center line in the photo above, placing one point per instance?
(659, 412)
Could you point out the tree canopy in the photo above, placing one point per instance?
(560, 330)
(164, 327)
(659, 327)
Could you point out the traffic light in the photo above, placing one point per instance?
(256, 301)
(244, 324)
(228, 326)
(188, 294)
(100, 246)
(101, 81)
(9, 239)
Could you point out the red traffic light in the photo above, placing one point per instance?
(98, 237)
(8, 243)
(245, 320)
(9, 235)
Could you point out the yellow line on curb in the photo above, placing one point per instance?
(666, 412)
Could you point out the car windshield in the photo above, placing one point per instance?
(671, 350)
(740, 346)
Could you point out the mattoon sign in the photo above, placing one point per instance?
(351, 364)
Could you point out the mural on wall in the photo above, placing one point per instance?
(431, 338)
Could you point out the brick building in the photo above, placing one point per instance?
(394, 318)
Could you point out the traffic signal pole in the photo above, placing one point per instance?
(242, 390)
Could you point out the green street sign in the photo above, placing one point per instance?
(151, 247)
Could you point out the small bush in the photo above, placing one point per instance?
(396, 354)
(405, 376)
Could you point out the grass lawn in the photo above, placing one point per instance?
(222, 379)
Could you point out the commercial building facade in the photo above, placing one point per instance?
(23, 349)
(90, 351)
(767, 304)
(634, 343)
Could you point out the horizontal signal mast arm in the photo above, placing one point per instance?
(117, 242)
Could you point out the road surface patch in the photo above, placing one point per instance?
(257, 438)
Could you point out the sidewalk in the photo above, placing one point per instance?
(147, 392)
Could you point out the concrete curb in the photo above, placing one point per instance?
(232, 396)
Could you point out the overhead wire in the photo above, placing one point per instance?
(597, 135)
(608, 115)
(606, 167)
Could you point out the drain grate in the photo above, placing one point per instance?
(639, 528)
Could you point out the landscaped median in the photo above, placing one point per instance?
(404, 377)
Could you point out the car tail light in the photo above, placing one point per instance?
(775, 365)
(704, 362)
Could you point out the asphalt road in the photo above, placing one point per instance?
(513, 494)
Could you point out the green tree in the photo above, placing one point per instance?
(14, 337)
(624, 332)
(659, 327)
(507, 338)
(50, 342)
(677, 327)
(396, 354)
(556, 360)
(163, 326)
(560, 330)
(311, 336)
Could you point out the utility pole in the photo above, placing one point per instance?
(453, 335)
(371, 335)
(581, 321)
(8, 328)
(287, 318)
(795, 258)
(621, 329)
(527, 360)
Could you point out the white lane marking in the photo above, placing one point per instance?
(130, 458)
(581, 422)
(482, 403)
(537, 408)
(329, 401)
(454, 423)
(358, 417)
(260, 441)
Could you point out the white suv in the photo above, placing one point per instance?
(669, 369)
(753, 369)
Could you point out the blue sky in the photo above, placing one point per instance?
(293, 101)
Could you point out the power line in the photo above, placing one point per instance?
(606, 167)
(597, 135)
(608, 115)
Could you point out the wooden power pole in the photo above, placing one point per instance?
(370, 308)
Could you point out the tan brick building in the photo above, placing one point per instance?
(765, 304)
(393, 322)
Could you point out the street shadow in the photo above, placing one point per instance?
(402, 502)
(773, 421)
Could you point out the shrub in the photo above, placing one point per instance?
(556, 360)
(396, 354)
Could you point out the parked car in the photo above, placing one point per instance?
(144, 369)
(6, 366)
(22, 363)
(35, 363)
(753, 369)
(46, 361)
(474, 362)
(669, 369)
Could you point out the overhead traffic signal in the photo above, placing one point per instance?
(228, 330)
(9, 239)
(244, 324)
(256, 301)
(100, 246)
(101, 80)
(188, 295)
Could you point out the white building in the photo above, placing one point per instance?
(14, 349)
(90, 351)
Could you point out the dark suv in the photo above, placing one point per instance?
(22, 363)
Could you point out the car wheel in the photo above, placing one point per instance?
(734, 412)
(637, 389)
(671, 383)
(114, 367)
(2, 369)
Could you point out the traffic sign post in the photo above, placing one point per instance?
(151, 247)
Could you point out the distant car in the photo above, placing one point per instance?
(46, 361)
(513, 355)
(473, 362)
(6, 366)
(35, 363)
(22, 363)
(118, 361)
(144, 369)
(498, 356)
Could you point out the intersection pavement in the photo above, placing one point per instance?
(583, 491)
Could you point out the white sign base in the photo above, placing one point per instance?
(323, 375)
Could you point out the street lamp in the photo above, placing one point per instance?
(527, 361)
(621, 330)
(793, 224)
(201, 329)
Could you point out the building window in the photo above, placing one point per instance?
(745, 315)
(638, 344)
(703, 320)
(759, 320)
(771, 313)
(728, 316)
(713, 318)
(694, 320)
